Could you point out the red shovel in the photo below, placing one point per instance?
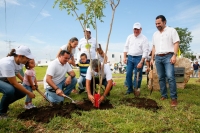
(96, 100)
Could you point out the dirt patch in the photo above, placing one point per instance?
(45, 113)
(141, 103)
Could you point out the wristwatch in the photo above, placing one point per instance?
(175, 54)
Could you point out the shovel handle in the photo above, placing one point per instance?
(69, 98)
(151, 79)
(43, 95)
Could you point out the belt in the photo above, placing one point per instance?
(164, 54)
(52, 90)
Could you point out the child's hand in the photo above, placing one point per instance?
(33, 87)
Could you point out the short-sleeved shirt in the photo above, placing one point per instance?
(57, 71)
(164, 42)
(107, 73)
(64, 47)
(8, 67)
(27, 73)
(92, 42)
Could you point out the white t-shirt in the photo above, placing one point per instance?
(164, 42)
(107, 73)
(57, 71)
(64, 47)
(92, 42)
(8, 67)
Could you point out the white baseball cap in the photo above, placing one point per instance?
(87, 29)
(24, 50)
(137, 26)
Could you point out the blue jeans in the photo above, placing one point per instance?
(10, 95)
(81, 82)
(132, 63)
(28, 99)
(53, 97)
(166, 69)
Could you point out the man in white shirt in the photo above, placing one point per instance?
(165, 47)
(107, 79)
(91, 41)
(55, 82)
(136, 47)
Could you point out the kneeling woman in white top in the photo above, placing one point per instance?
(9, 67)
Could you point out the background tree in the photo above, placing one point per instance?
(185, 40)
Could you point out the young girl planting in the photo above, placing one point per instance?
(29, 82)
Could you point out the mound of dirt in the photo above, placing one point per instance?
(45, 113)
(141, 103)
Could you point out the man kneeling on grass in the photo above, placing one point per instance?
(97, 68)
(55, 82)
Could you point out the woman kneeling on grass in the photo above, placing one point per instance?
(11, 89)
(30, 82)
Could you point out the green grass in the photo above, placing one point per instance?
(122, 119)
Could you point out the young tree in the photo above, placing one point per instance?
(185, 39)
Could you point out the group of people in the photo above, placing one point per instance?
(164, 51)
(57, 84)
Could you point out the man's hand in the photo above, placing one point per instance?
(125, 60)
(91, 98)
(173, 59)
(101, 99)
(151, 62)
(59, 92)
(68, 80)
(139, 65)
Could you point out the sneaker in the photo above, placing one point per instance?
(3, 116)
(174, 103)
(31, 105)
(137, 92)
(27, 106)
(162, 98)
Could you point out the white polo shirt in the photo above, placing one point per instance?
(164, 42)
(64, 47)
(107, 73)
(137, 46)
(8, 67)
(57, 71)
(92, 42)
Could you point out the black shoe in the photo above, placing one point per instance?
(81, 91)
(127, 93)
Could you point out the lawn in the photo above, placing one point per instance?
(184, 118)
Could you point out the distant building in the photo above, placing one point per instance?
(43, 62)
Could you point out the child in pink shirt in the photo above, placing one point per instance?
(29, 82)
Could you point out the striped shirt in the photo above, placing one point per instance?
(83, 67)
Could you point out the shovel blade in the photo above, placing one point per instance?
(96, 100)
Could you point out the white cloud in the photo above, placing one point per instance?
(45, 13)
(34, 39)
(11, 2)
(32, 5)
(186, 15)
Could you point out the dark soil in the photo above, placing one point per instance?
(45, 113)
(141, 103)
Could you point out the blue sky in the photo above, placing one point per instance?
(45, 29)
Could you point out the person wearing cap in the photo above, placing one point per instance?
(9, 68)
(56, 84)
(165, 47)
(136, 47)
(85, 40)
